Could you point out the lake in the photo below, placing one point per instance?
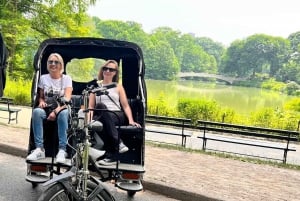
(243, 100)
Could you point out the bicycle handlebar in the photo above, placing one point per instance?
(103, 89)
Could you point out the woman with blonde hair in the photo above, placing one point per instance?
(116, 101)
(52, 85)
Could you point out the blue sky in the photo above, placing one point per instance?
(221, 20)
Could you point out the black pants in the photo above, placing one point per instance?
(109, 135)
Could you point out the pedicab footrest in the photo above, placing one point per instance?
(123, 167)
(37, 178)
(48, 161)
(130, 186)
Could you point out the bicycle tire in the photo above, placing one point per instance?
(58, 192)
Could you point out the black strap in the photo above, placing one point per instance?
(114, 102)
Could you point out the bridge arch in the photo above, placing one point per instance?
(226, 79)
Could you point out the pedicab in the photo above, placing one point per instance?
(82, 58)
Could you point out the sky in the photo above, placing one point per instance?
(221, 20)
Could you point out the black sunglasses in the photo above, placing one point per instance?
(105, 68)
(53, 62)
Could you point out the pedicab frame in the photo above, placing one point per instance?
(130, 57)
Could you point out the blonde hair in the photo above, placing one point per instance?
(60, 59)
(116, 76)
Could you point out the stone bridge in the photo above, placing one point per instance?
(227, 79)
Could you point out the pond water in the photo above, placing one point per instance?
(243, 100)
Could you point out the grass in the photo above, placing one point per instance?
(224, 155)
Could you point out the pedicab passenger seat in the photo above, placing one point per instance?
(133, 137)
(136, 108)
(77, 98)
(77, 102)
(137, 113)
(135, 104)
(50, 130)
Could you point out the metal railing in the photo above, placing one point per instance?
(285, 136)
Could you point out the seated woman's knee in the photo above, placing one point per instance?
(38, 112)
(63, 114)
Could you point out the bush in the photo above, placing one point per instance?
(19, 90)
(199, 109)
(262, 118)
(293, 105)
(160, 107)
(275, 118)
(272, 84)
(292, 88)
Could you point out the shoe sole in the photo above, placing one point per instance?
(35, 159)
(107, 164)
(123, 150)
(102, 162)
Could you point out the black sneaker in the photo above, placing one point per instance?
(107, 161)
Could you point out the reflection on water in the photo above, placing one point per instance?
(243, 100)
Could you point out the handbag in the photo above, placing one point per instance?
(52, 100)
(51, 105)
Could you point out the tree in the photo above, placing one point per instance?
(289, 72)
(256, 54)
(232, 64)
(172, 37)
(28, 22)
(212, 48)
(114, 29)
(267, 53)
(196, 60)
(161, 61)
(294, 39)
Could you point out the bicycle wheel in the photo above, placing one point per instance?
(57, 192)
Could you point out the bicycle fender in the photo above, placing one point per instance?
(63, 176)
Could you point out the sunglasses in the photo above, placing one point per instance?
(53, 62)
(105, 68)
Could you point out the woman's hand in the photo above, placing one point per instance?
(52, 116)
(135, 124)
(42, 104)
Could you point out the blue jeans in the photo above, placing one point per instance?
(38, 115)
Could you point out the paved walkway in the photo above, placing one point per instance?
(186, 175)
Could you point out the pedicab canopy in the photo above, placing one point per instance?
(128, 54)
(3, 58)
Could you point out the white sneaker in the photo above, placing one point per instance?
(36, 154)
(107, 161)
(61, 156)
(122, 148)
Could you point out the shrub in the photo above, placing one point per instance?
(292, 88)
(160, 107)
(199, 109)
(262, 118)
(272, 84)
(275, 118)
(19, 90)
(293, 104)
